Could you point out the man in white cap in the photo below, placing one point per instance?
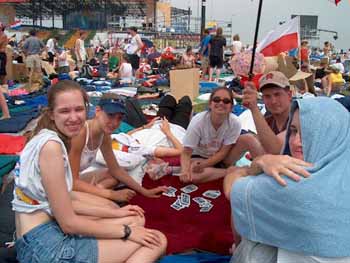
(277, 98)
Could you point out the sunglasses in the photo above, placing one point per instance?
(224, 100)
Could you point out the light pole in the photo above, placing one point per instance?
(203, 18)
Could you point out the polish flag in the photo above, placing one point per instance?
(283, 38)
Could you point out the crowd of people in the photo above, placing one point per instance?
(291, 204)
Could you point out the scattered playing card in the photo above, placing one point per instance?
(170, 192)
(202, 201)
(213, 194)
(206, 208)
(189, 188)
(185, 199)
(177, 205)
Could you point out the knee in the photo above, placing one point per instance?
(139, 220)
(163, 242)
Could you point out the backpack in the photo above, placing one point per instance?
(134, 115)
(86, 72)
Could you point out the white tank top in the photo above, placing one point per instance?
(88, 156)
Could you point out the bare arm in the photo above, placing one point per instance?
(186, 173)
(269, 140)
(166, 151)
(120, 174)
(77, 49)
(233, 174)
(217, 157)
(77, 145)
(53, 178)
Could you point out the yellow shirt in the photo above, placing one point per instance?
(336, 78)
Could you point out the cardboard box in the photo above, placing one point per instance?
(20, 72)
(184, 82)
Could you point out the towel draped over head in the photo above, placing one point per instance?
(311, 216)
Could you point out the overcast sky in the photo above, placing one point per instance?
(243, 15)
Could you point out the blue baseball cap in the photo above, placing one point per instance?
(112, 106)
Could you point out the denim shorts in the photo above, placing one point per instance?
(47, 243)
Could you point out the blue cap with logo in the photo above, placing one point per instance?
(112, 106)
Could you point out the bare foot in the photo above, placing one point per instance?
(5, 117)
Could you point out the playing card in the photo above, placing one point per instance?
(177, 205)
(206, 208)
(202, 202)
(212, 194)
(189, 188)
(185, 199)
(170, 192)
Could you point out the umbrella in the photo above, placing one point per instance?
(240, 63)
(148, 43)
(154, 55)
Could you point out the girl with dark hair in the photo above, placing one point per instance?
(209, 138)
(52, 228)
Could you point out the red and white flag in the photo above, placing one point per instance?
(283, 38)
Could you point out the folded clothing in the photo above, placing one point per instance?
(18, 121)
(11, 144)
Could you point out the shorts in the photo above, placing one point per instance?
(51, 57)
(219, 165)
(47, 243)
(33, 61)
(134, 61)
(64, 69)
(204, 62)
(3, 61)
(215, 61)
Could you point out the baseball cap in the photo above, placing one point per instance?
(276, 78)
(112, 105)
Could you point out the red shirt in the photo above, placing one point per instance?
(304, 54)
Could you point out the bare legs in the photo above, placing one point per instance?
(4, 107)
(245, 143)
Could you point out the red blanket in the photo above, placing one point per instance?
(188, 228)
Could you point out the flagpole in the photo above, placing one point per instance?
(251, 75)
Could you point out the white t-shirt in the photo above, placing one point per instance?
(29, 180)
(133, 46)
(62, 60)
(205, 141)
(125, 70)
(50, 46)
(81, 47)
(236, 47)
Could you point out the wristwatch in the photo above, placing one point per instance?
(127, 232)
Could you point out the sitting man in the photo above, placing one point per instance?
(277, 98)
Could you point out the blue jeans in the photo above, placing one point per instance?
(47, 243)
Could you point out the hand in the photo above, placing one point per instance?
(250, 96)
(151, 123)
(186, 177)
(197, 166)
(165, 127)
(278, 165)
(155, 192)
(124, 195)
(131, 210)
(145, 237)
